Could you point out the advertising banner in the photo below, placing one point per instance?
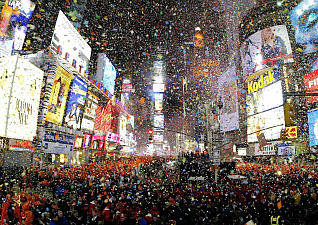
(89, 112)
(304, 20)
(70, 44)
(285, 149)
(57, 143)
(158, 87)
(266, 150)
(311, 85)
(14, 19)
(98, 142)
(22, 114)
(122, 126)
(158, 96)
(266, 48)
(227, 86)
(313, 127)
(19, 145)
(106, 118)
(270, 123)
(159, 123)
(78, 142)
(106, 72)
(265, 99)
(158, 105)
(87, 140)
(58, 96)
(76, 103)
(158, 137)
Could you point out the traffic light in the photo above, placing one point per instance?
(150, 135)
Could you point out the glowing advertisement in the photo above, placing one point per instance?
(227, 86)
(285, 150)
(57, 143)
(311, 85)
(265, 99)
(158, 96)
(270, 123)
(266, 150)
(304, 20)
(158, 137)
(87, 140)
(78, 142)
(97, 142)
(68, 43)
(106, 118)
(76, 103)
(106, 72)
(89, 112)
(266, 48)
(58, 96)
(158, 105)
(159, 121)
(122, 126)
(15, 16)
(19, 145)
(313, 127)
(158, 87)
(22, 114)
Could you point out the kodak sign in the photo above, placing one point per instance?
(260, 80)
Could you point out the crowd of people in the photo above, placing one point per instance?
(144, 190)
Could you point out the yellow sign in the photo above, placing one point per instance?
(291, 132)
(58, 97)
(263, 81)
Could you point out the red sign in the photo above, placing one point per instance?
(104, 118)
(311, 85)
(21, 145)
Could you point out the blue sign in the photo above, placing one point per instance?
(76, 103)
(57, 143)
(313, 127)
(109, 76)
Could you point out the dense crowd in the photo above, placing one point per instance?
(146, 190)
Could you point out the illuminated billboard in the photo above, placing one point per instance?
(106, 119)
(304, 20)
(265, 111)
(58, 96)
(266, 48)
(311, 85)
(19, 119)
(57, 143)
(158, 87)
(313, 127)
(76, 103)
(264, 99)
(158, 105)
(270, 123)
(68, 43)
(14, 19)
(89, 113)
(159, 121)
(229, 115)
(158, 96)
(106, 72)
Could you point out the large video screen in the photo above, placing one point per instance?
(269, 123)
(58, 96)
(266, 48)
(106, 72)
(266, 98)
(76, 103)
(304, 20)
